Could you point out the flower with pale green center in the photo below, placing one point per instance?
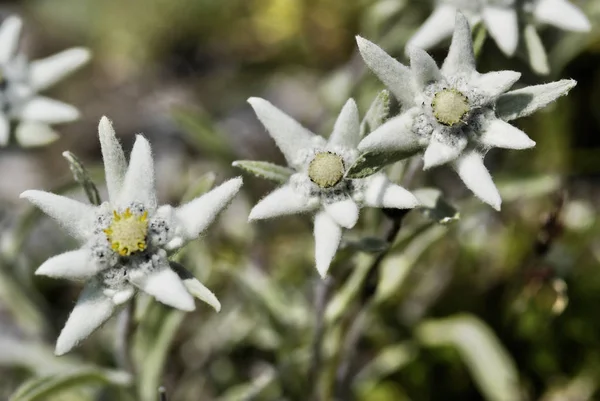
(455, 114)
(126, 240)
(319, 183)
(503, 19)
(20, 81)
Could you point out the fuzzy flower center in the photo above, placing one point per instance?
(326, 169)
(127, 232)
(449, 106)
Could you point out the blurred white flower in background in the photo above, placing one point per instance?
(319, 183)
(21, 108)
(127, 239)
(455, 114)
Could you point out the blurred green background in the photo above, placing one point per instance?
(494, 306)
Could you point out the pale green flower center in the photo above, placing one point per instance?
(449, 106)
(127, 232)
(326, 169)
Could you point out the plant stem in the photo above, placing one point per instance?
(322, 289)
(125, 327)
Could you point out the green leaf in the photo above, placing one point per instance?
(201, 133)
(251, 390)
(538, 59)
(268, 171)
(378, 113)
(388, 361)
(82, 177)
(371, 162)
(435, 206)
(369, 245)
(201, 186)
(527, 188)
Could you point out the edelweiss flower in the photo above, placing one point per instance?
(19, 83)
(320, 183)
(125, 240)
(456, 113)
(501, 18)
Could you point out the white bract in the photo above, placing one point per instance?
(20, 81)
(455, 113)
(502, 19)
(319, 182)
(125, 241)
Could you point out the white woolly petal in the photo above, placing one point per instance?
(45, 72)
(380, 192)
(10, 30)
(460, 59)
(438, 153)
(93, 308)
(122, 296)
(327, 240)
(164, 285)
(115, 164)
(288, 134)
(391, 72)
(75, 217)
(395, 135)
(76, 265)
(344, 213)
(4, 130)
(436, 28)
(46, 110)
(138, 184)
(195, 287)
(346, 132)
(196, 215)
(284, 200)
(424, 68)
(476, 177)
(562, 14)
(503, 26)
(500, 134)
(493, 84)
(32, 134)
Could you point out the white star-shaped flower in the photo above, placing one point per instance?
(455, 113)
(500, 17)
(125, 241)
(20, 81)
(320, 183)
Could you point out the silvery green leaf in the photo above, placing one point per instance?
(491, 366)
(268, 171)
(201, 186)
(523, 102)
(538, 59)
(370, 163)
(378, 113)
(388, 361)
(435, 206)
(369, 245)
(82, 177)
(531, 187)
(201, 133)
(253, 389)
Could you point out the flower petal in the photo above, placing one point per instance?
(523, 102)
(75, 217)
(461, 58)
(115, 164)
(395, 135)
(93, 308)
(288, 134)
(164, 285)
(344, 213)
(195, 216)
(76, 265)
(436, 28)
(380, 192)
(10, 30)
(392, 73)
(438, 153)
(495, 83)
(4, 130)
(424, 68)
(45, 72)
(328, 236)
(503, 26)
(138, 184)
(346, 132)
(500, 134)
(284, 200)
(32, 134)
(476, 177)
(195, 287)
(562, 14)
(46, 110)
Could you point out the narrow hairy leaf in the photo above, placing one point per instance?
(268, 171)
(82, 177)
(370, 163)
(378, 113)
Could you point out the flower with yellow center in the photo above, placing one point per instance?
(127, 232)
(326, 169)
(450, 106)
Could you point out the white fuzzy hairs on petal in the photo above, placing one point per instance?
(381, 192)
(562, 14)
(503, 26)
(74, 265)
(436, 28)
(346, 132)
(139, 182)
(461, 58)
(164, 285)
(46, 72)
(195, 287)
(10, 30)
(344, 212)
(50, 111)
(327, 240)
(476, 177)
(285, 200)
(500, 134)
(115, 164)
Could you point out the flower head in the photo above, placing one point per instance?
(455, 113)
(320, 183)
(20, 81)
(126, 240)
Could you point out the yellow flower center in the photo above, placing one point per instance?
(326, 169)
(449, 106)
(127, 232)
